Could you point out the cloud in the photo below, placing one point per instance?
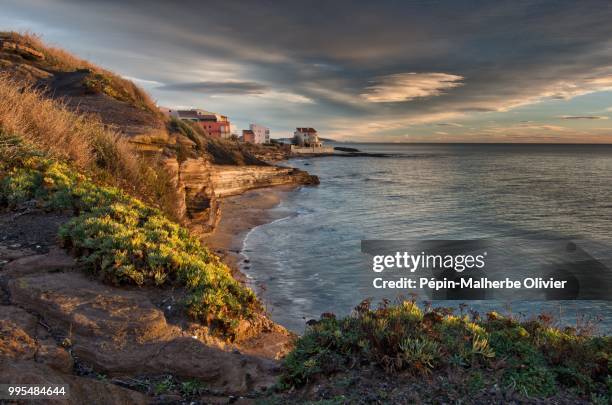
(335, 74)
(211, 87)
(583, 117)
(408, 86)
(142, 82)
(449, 124)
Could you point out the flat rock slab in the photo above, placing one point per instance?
(29, 355)
(56, 259)
(82, 390)
(121, 332)
(23, 338)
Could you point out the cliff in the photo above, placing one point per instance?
(199, 169)
(93, 178)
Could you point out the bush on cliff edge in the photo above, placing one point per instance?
(529, 357)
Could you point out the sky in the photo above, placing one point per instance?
(377, 71)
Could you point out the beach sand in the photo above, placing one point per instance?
(240, 214)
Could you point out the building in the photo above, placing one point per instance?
(216, 125)
(262, 134)
(306, 137)
(248, 136)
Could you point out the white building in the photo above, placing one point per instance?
(306, 137)
(262, 134)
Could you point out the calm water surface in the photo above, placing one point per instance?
(309, 261)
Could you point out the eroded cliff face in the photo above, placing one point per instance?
(201, 206)
(200, 184)
(233, 180)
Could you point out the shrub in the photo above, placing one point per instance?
(535, 359)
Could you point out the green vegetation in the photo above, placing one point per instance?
(529, 357)
(124, 240)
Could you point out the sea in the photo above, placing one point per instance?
(521, 197)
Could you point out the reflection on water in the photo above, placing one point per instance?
(310, 261)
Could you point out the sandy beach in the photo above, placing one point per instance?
(240, 214)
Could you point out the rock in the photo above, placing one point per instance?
(23, 338)
(202, 208)
(54, 356)
(9, 254)
(21, 49)
(121, 332)
(168, 399)
(346, 149)
(81, 390)
(233, 180)
(15, 342)
(56, 259)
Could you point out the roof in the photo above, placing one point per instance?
(248, 132)
(201, 115)
(309, 130)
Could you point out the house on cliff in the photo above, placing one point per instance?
(306, 142)
(216, 125)
(306, 137)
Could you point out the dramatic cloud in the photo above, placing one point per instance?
(354, 69)
(407, 86)
(584, 117)
(217, 87)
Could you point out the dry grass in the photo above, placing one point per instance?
(82, 140)
(46, 123)
(62, 60)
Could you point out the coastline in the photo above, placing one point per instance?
(239, 215)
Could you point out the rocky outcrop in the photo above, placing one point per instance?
(232, 180)
(200, 184)
(23, 50)
(116, 331)
(30, 355)
(196, 182)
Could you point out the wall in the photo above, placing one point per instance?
(305, 150)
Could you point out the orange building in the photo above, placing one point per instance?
(216, 125)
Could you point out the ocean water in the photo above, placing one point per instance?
(309, 261)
